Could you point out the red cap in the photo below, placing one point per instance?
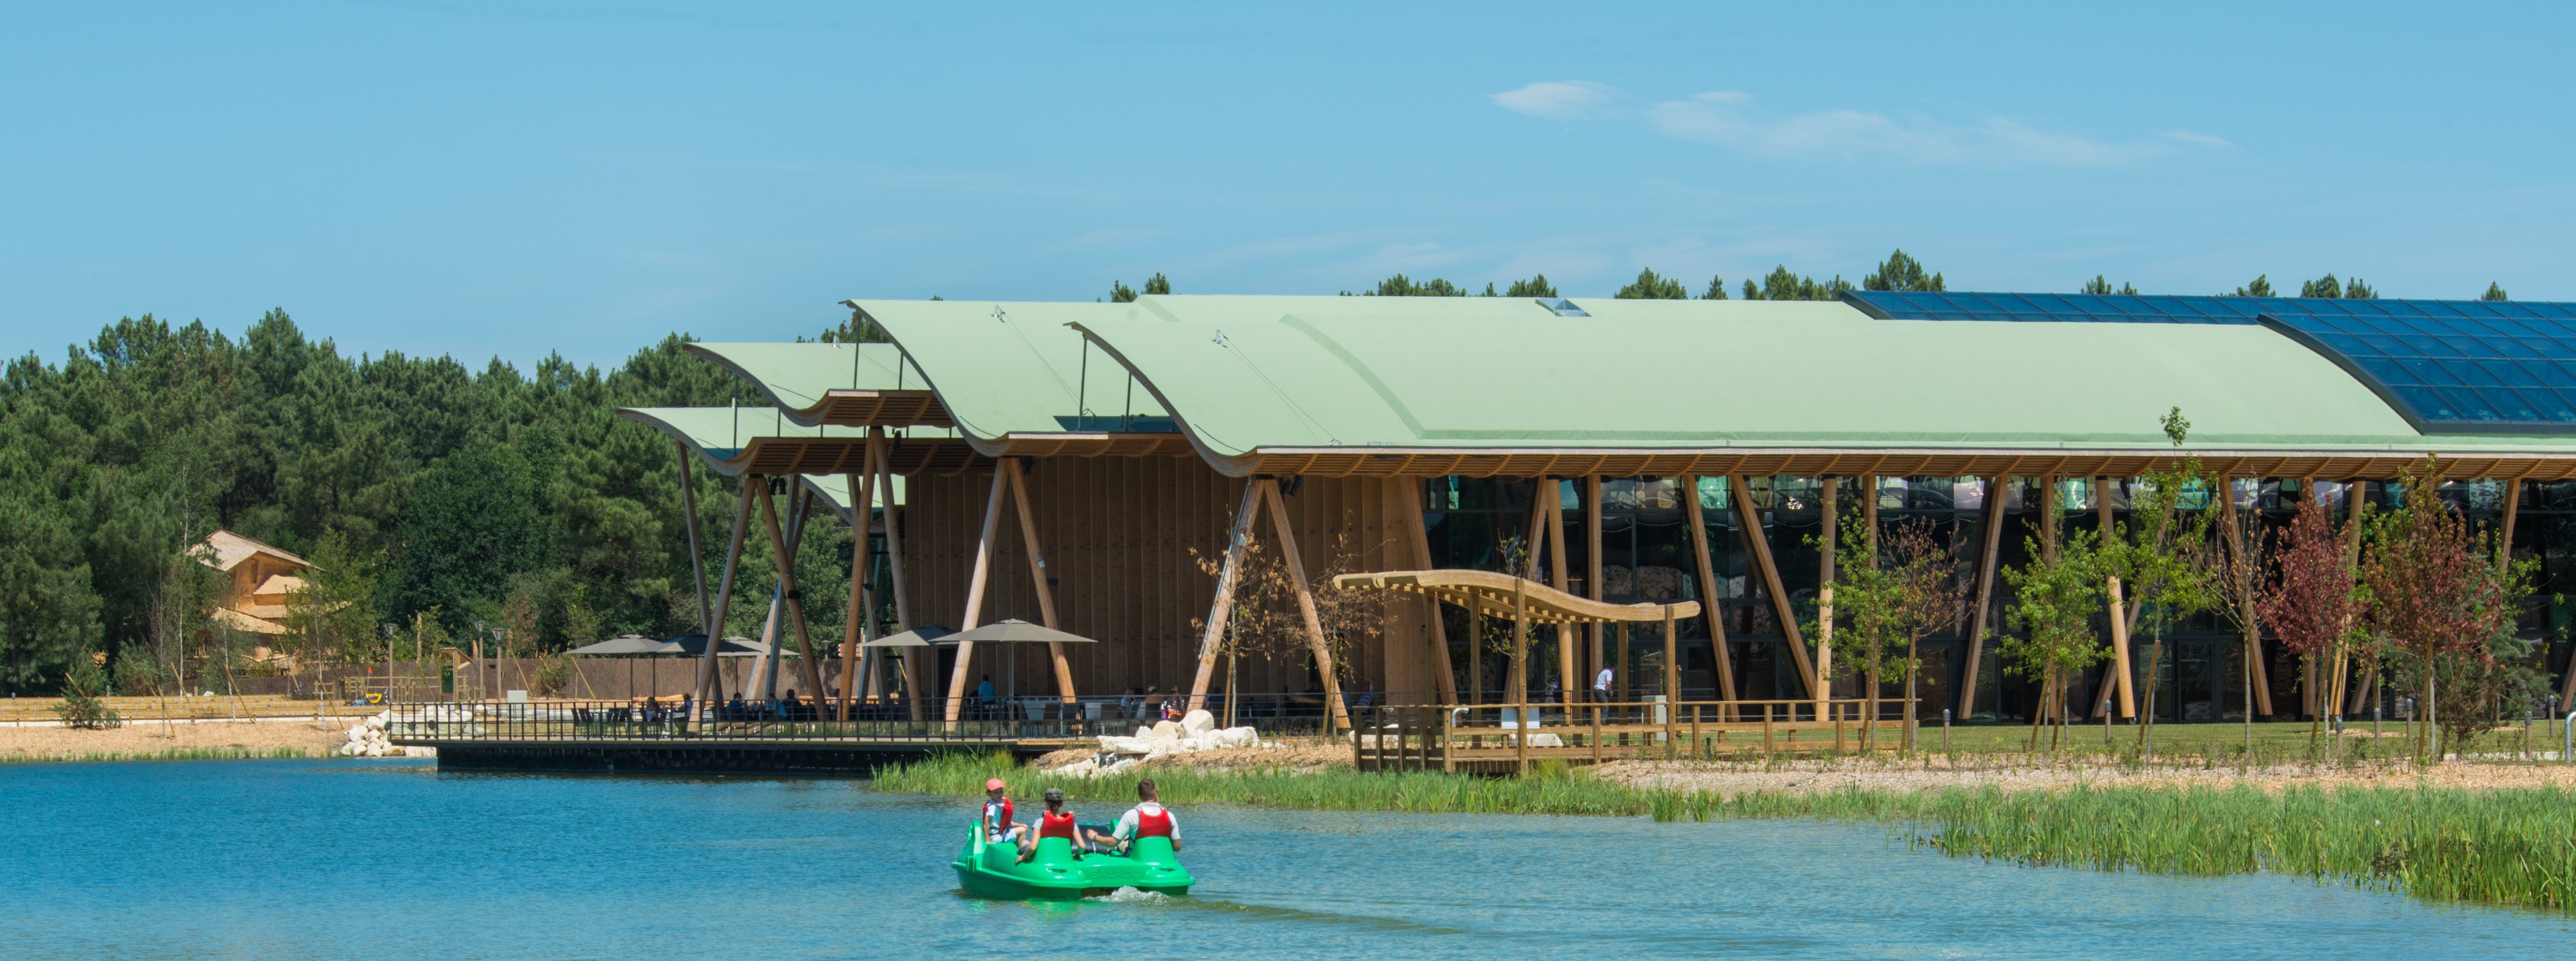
(993, 785)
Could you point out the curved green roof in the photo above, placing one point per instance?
(797, 376)
(719, 435)
(1269, 373)
(1016, 369)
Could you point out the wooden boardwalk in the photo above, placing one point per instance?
(1488, 738)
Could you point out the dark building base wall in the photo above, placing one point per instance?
(815, 761)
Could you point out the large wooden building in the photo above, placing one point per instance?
(1089, 465)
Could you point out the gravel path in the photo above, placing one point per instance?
(149, 737)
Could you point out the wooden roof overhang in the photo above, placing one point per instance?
(1094, 444)
(877, 408)
(774, 456)
(1492, 594)
(1754, 462)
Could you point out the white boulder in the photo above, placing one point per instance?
(1167, 731)
(1198, 722)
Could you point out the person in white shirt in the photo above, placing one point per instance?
(1601, 686)
(1147, 819)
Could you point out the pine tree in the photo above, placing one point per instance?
(1652, 286)
(1119, 292)
(1716, 288)
(2495, 291)
(2358, 290)
(1536, 286)
(2261, 287)
(1901, 272)
(2326, 287)
(1157, 284)
(2100, 286)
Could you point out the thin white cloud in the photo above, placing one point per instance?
(2196, 137)
(1727, 117)
(1558, 99)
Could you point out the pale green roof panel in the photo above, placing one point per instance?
(1006, 369)
(796, 376)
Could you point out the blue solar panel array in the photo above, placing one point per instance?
(2448, 366)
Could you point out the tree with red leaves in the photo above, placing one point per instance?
(2429, 586)
(2310, 603)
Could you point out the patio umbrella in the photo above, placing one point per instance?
(694, 644)
(923, 636)
(630, 645)
(1016, 631)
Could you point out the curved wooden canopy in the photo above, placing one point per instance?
(1490, 593)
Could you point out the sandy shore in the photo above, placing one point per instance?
(32, 743)
(2011, 774)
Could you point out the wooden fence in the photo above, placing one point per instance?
(1490, 737)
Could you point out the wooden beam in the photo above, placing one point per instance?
(2120, 655)
(975, 582)
(1592, 581)
(1296, 565)
(1748, 522)
(1421, 535)
(1708, 604)
(1212, 634)
(1672, 674)
(1831, 506)
(812, 668)
(1977, 620)
(856, 629)
(707, 676)
(915, 680)
(1038, 573)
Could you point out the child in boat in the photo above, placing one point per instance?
(1054, 822)
(998, 826)
(1147, 819)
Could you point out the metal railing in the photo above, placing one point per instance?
(978, 721)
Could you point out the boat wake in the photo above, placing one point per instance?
(1132, 896)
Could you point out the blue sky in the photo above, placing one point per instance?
(513, 179)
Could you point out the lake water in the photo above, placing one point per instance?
(394, 860)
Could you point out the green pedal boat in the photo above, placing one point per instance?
(1054, 874)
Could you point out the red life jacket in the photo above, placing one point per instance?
(1156, 823)
(1004, 822)
(1053, 825)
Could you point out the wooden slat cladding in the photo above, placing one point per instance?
(1093, 445)
(882, 408)
(1119, 535)
(1892, 463)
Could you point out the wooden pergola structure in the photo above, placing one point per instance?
(1489, 594)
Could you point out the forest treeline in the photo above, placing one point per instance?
(431, 496)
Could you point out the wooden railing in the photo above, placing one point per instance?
(1490, 736)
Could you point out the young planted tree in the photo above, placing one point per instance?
(2429, 587)
(1890, 592)
(2156, 557)
(2055, 599)
(2310, 602)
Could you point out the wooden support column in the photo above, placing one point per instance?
(1708, 595)
(707, 675)
(858, 629)
(1334, 711)
(1414, 526)
(1038, 572)
(1212, 634)
(2123, 618)
(1592, 582)
(697, 556)
(973, 618)
(1826, 548)
(2120, 656)
(1672, 675)
(813, 670)
(1748, 521)
(1520, 676)
(916, 679)
(1977, 623)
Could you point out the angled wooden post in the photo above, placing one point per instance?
(1672, 679)
(975, 595)
(1826, 546)
(1038, 573)
(1748, 521)
(1446, 682)
(707, 676)
(857, 630)
(813, 671)
(1967, 696)
(1591, 581)
(914, 678)
(2120, 657)
(1708, 596)
(697, 556)
(1212, 634)
(1520, 675)
(1334, 713)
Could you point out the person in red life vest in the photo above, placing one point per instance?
(998, 826)
(1054, 822)
(1147, 819)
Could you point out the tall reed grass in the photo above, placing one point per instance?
(2506, 846)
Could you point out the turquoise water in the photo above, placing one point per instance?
(393, 860)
